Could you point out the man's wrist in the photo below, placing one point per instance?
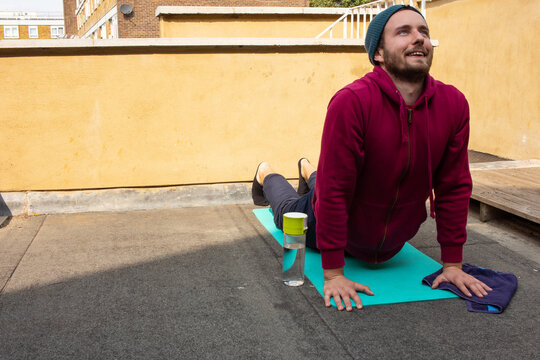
(332, 273)
(452, 264)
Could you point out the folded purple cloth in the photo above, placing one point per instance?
(504, 286)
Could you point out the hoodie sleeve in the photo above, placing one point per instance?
(340, 162)
(453, 187)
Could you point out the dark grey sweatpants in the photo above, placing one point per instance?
(283, 198)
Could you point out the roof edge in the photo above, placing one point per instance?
(254, 10)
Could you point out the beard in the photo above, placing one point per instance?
(401, 69)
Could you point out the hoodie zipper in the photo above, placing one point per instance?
(402, 177)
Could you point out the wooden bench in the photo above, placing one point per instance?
(510, 186)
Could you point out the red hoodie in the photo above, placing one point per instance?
(376, 170)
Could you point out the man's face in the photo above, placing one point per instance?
(406, 51)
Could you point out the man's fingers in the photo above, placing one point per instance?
(327, 299)
(347, 301)
(337, 300)
(344, 292)
(461, 286)
(355, 297)
(477, 287)
(480, 289)
(343, 300)
(486, 287)
(464, 282)
(365, 289)
(334, 293)
(438, 280)
(357, 300)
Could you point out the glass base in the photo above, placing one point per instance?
(293, 282)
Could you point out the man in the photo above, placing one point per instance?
(390, 138)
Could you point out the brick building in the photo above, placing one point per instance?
(31, 25)
(104, 19)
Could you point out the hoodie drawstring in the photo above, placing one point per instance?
(430, 174)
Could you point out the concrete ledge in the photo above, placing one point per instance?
(67, 47)
(146, 43)
(49, 47)
(510, 164)
(55, 202)
(258, 10)
(13, 204)
(174, 42)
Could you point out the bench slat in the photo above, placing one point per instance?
(516, 190)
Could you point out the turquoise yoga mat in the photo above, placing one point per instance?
(395, 281)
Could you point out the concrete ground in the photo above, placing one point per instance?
(204, 282)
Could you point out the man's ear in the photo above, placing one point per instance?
(378, 56)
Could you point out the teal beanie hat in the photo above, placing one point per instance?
(376, 27)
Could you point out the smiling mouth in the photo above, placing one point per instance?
(416, 53)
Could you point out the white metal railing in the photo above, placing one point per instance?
(356, 17)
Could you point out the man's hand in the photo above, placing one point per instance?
(452, 273)
(336, 285)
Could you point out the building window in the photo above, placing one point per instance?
(57, 31)
(11, 32)
(33, 32)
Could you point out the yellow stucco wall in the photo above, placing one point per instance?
(271, 26)
(138, 118)
(490, 51)
(98, 121)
